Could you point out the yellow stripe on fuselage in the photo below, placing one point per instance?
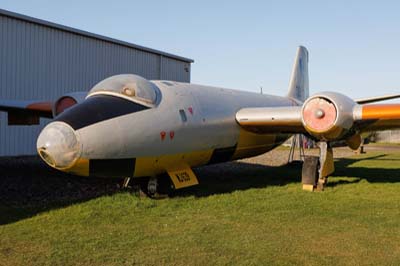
(81, 167)
(252, 144)
(151, 166)
(249, 144)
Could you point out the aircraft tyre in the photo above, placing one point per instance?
(156, 187)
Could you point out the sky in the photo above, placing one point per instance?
(354, 46)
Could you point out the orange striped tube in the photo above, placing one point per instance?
(380, 111)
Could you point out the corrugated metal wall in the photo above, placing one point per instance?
(39, 62)
(172, 69)
(389, 136)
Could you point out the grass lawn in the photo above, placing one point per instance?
(242, 215)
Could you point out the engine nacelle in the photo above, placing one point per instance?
(328, 116)
(68, 100)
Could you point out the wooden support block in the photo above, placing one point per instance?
(309, 174)
(308, 187)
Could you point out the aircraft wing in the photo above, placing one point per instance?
(30, 112)
(271, 119)
(26, 112)
(374, 117)
(327, 117)
(377, 98)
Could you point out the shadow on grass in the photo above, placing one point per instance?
(232, 176)
(29, 187)
(371, 174)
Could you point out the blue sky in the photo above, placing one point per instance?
(354, 45)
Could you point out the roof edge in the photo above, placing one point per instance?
(89, 34)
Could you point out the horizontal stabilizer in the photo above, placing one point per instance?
(377, 98)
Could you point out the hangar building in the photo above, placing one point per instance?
(40, 60)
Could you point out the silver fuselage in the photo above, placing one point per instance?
(190, 125)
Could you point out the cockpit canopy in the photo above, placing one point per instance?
(128, 86)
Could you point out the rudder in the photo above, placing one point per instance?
(298, 85)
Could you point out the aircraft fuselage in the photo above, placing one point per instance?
(190, 125)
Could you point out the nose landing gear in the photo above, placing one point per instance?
(152, 186)
(156, 187)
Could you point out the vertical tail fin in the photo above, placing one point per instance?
(298, 86)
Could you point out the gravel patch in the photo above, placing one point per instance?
(27, 180)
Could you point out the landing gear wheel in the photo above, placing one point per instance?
(152, 186)
(157, 187)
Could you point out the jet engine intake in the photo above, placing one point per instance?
(328, 116)
(66, 101)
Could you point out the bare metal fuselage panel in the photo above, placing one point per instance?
(191, 125)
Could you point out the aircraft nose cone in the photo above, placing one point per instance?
(319, 113)
(58, 145)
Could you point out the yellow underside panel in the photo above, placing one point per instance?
(251, 144)
(151, 166)
(81, 167)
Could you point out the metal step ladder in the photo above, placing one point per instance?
(297, 142)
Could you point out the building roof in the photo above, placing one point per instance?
(90, 35)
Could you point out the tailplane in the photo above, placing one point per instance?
(298, 86)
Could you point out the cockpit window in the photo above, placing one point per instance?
(96, 109)
(128, 86)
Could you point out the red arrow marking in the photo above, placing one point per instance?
(163, 134)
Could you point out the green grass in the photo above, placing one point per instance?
(252, 216)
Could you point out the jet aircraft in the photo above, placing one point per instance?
(130, 127)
